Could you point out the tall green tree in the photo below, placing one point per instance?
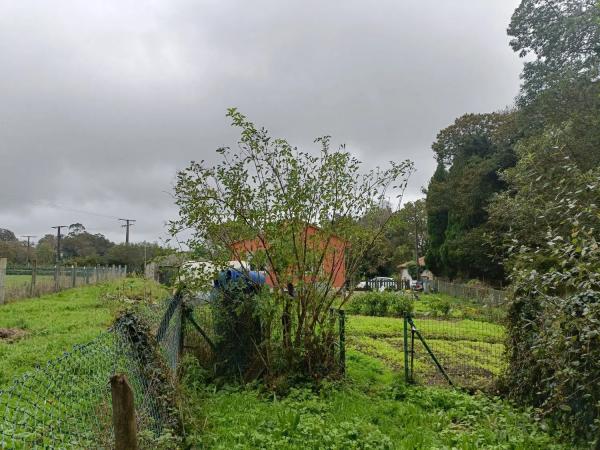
(470, 154)
(564, 38)
(396, 244)
(84, 248)
(546, 221)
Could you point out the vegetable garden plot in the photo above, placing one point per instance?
(469, 352)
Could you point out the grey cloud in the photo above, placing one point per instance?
(101, 102)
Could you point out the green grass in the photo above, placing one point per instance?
(371, 409)
(460, 308)
(428, 305)
(23, 280)
(452, 329)
(471, 352)
(54, 323)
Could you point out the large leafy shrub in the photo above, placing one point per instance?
(297, 214)
(554, 316)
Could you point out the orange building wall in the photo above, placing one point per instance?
(334, 261)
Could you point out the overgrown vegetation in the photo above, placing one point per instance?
(52, 324)
(298, 216)
(515, 198)
(555, 313)
(381, 304)
(373, 409)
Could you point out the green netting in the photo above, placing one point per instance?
(67, 402)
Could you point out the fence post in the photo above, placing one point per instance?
(180, 344)
(33, 277)
(2, 279)
(342, 316)
(123, 413)
(73, 274)
(56, 277)
(96, 275)
(406, 376)
(86, 275)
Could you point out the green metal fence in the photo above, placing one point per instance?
(445, 342)
(32, 281)
(67, 402)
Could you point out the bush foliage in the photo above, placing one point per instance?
(554, 319)
(296, 215)
(381, 304)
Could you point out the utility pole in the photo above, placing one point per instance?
(417, 243)
(58, 236)
(29, 237)
(128, 223)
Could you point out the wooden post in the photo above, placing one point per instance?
(2, 279)
(73, 276)
(33, 277)
(342, 329)
(86, 273)
(56, 277)
(406, 374)
(123, 413)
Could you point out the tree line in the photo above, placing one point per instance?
(516, 199)
(494, 169)
(78, 247)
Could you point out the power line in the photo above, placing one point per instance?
(78, 211)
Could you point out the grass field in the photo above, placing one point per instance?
(466, 336)
(372, 409)
(21, 280)
(50, 325)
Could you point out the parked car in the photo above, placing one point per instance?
(416, 285)
(361, 286)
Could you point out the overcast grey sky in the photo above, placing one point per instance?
(101, 102)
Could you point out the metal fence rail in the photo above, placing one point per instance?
(24, 282)
(382, 285)
(67, 402)
(491, 295)
(460, 352)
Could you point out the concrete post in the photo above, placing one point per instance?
(3, 262)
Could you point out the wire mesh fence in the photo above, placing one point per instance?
(67, 402)
(444, 341)
(170, 334)
(460, 352)
(32, 281)
(482, 293)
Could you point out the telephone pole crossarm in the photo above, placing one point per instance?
(128, 223)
